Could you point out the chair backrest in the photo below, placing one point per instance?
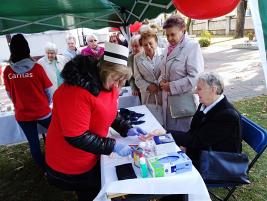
(255, 136)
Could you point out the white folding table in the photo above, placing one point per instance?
(127, 99)
(190, 183)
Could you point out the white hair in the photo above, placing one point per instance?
(145, 28)
(90, 36)
(213, 79)
(50, 47)
(135, 38)
(70, 37)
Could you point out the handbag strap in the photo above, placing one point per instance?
(156, 98)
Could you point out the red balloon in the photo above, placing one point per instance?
(205, 9)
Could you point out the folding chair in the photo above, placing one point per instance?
(256, 137)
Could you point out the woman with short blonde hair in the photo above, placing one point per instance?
(146, 68)
(123, 73)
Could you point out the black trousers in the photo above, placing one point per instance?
(86, 185)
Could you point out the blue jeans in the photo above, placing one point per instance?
(30, 130)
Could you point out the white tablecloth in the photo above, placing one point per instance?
(189, 183)
(10, 131)
(127, 99)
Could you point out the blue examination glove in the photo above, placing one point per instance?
(122, 149)
(136, 131)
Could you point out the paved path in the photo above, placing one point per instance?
(240, 68)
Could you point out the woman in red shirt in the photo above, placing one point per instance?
(30, 91)
(84, 107)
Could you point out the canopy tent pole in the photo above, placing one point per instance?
(144, 10)
(78, 37)
(131, 13)
(111, 13)
(27, 23)
(157, 5)
(259, 17)
(8, 39)
(125, 31)
(94, 19)
(117, 13)
(41, 21)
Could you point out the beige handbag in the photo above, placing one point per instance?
(182, 105)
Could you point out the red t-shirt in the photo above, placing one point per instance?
(75, 111)
(27, 92)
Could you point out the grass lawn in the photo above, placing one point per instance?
(20, 178)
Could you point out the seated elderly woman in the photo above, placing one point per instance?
(216, 123)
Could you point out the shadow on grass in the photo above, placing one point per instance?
(21, 179)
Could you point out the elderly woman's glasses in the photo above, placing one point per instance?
(92, 40)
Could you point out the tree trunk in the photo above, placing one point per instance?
(188, 22)
(240, 20)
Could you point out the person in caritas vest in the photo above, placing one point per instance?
(84, 107)
(29, 88)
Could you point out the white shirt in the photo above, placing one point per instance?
(206, 109)
(70, 54)
(155, 60)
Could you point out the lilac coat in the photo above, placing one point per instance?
(181, 68)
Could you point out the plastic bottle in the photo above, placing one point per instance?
(142, 145)
(148, 148)
(143, 167)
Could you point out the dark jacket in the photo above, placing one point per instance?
(83, 71)
(219, 130)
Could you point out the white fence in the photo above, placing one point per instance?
(219, 26)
